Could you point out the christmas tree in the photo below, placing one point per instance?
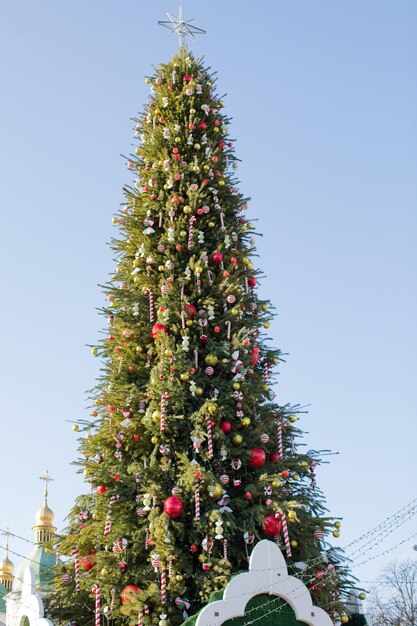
(188, 458)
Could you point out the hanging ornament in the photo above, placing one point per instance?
(286, 535)
(75, 555)
(257, 457)
(248, 537)
(264, 438)
(224, 503)
(158, 328)
(107, 526)
(97, 609)
(173, 506)
(183, 604)
(128, 593)
(272, 525)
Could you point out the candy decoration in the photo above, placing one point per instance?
(228, 324)
(146, 538)
(183, 319)
(224, 479)
(170, 566)
(107, 526)
(164, 399)
(112, 601)
(75, 553)
(225, 548)
(318, 533)
(197, 500)
(196, 359)
(248, 537)
(149, 293)
(191, 232)
(163, 585)
(97, 608)
(264, 437)
(140, 617)
(280, 441)
(222, 221)
(286, 535)
(209, 438)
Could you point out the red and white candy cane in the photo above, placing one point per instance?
(113, 593)
(182, 291)
(75, 552)
(170, 566)
(164, 399)
(222, 221)
(280, 442)
(197, 500)
(191, 232)
(149, 293)
(163, 585)
(107, 526)
(146, 538)
(228, 324)
(286, 535)
(97, 608)
(225, 548)
(160, 219)
(196, 359)
(140, 617)
(209, 438)
(182, 319)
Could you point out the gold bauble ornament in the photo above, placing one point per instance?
(337, 524)
(266, 324)
(344, 619)
(187, 209)
(189, 323)
(276, 484)
(114, 220)
(179, 577)
(177, 139)
(215, 490)
(185, 376)
(264, 307)
(156, 416)
(293, 543)
(76, 428)
(291, 514)
(237, 440)
(211, 224)
(94, 351)
(183, 234)
(236, 386)
(245, 421)
(221, 183)
(362, 596)
(199, 391)
(154, 440)
(336, 533)
(197, 146)
(211, 359)
(212, 409)
(139, 349)
(292, 418)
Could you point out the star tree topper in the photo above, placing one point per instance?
(182, 27)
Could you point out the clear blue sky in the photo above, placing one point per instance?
(323, 96)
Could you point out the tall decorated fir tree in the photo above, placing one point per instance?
(188, 458)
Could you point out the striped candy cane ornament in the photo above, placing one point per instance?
(164, 400)
(225, 548)
(75, 553)
(286, 535)
(197, 500)
(107, 526)
(191, 232)
(149, 293)
(97, 607)
(140, 617)
(280, 443)
(209, 438)
(113, 593)
(170, 566)
(163, 585)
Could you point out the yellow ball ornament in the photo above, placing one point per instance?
(266, 324)
(245, 421)
(154, 440)
(344, 619)
(236, 386)
(336, 533)
(337, 524)
(291, 514)
(185, 376)
(187, 209)
(293, 543)
(94, 351)
(199, 391)
(292, 418)
(212, 409)
(76, 428)
(362, 596)
(237, 440)
(114, 220)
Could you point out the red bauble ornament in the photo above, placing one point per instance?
(158, 328)
(274, 457)
(89, 561)
(285, 474)
(272, 525)
(252, 281)
(217, 257)
(226, 427)
(173, 506)
(254, 355)
(257, 457)
(217, 329)
(136, 437)
(128, 593)
(101, 489)
(191, 311)
(193, 548)
(248, 495)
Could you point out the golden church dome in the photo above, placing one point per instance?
(6, 566)
(45, 516)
